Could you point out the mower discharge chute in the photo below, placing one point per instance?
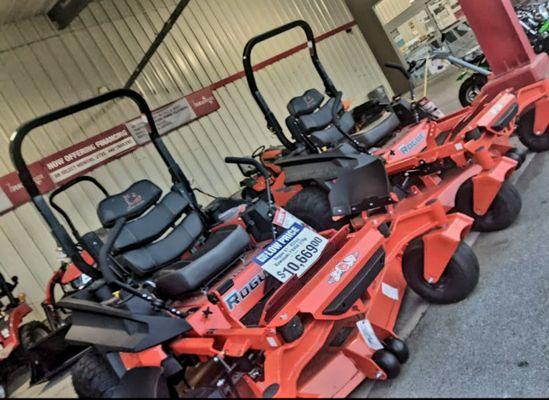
(248, 302)
(462, 159)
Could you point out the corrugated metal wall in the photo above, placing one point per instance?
(42, 69)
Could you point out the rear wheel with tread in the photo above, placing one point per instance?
(32, 333)
(312, 206)
(93, 377)
(458, 280)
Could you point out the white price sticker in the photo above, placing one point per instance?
(292, 253)
(367, 331)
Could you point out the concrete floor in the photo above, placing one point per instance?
(493, 344)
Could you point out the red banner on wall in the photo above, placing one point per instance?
(103, 148)
(15, 193)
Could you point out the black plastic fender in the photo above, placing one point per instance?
(143, 383)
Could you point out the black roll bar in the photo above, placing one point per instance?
(272, 123)
(66, 187)
(59, 232)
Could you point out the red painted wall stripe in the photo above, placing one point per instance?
(202, 102)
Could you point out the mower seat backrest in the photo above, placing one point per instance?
(309, 113)
(130, 203)
(306, 103)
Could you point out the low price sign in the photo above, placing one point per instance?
(292, 253)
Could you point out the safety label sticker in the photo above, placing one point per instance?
(367, 332)
(389, 291)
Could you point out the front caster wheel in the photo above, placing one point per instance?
(458, 280)
(388, 362)
(535, 141)
(503, 211)
(398, 348)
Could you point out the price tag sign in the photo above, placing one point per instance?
(292, 253)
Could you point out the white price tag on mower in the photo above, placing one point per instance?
(292, 253)
(367, 331)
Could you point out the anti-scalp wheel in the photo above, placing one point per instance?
(398, 348)
(388, 362)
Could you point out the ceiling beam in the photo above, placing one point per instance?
(65, 11)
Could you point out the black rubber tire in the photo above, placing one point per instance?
(518, 156)
(503, 211)
(388, 362)
(458, 280)
(525, 132)
(93, 377)
(398, 348)
(471, 83)
(31, 333)
(312, 206)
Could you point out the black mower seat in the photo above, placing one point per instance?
(222, 248)
(309, 118)
(378, 131)
(152, 257)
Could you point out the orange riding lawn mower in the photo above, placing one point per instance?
(240, 298)
(15, 337)
(35, 345)
(462, 160)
